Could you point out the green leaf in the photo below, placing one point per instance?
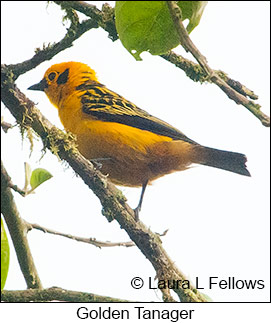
(148, 26)
(4, 256)
(39, 176)
(145, 26)
(193, 11)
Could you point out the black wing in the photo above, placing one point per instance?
(106, 105)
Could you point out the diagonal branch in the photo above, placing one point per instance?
(189, 46)
(196, 73)
(75, 30)
(112, 200)
(17, 230)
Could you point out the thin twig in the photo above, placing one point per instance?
(185, 40)
(187, 43)
(17, 189)
(162, 234)
(91, 241)
(54, 294)
(17, 231)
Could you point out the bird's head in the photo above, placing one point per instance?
(62, 79)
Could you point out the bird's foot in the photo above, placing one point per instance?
(97, 162)
(136, 212)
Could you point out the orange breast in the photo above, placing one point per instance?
(128, 155)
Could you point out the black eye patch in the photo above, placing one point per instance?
(63, 77)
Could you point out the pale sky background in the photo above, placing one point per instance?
(218, 221)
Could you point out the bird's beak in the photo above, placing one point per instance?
(39, 86)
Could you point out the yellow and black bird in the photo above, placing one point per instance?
(133, 146)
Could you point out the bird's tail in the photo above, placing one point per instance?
(227, 160)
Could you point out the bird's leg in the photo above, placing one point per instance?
(138, 208)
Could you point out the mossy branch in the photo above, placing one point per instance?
(237, 96)
(55, 294)
(196, 73)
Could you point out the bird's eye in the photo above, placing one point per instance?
(51, 76)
